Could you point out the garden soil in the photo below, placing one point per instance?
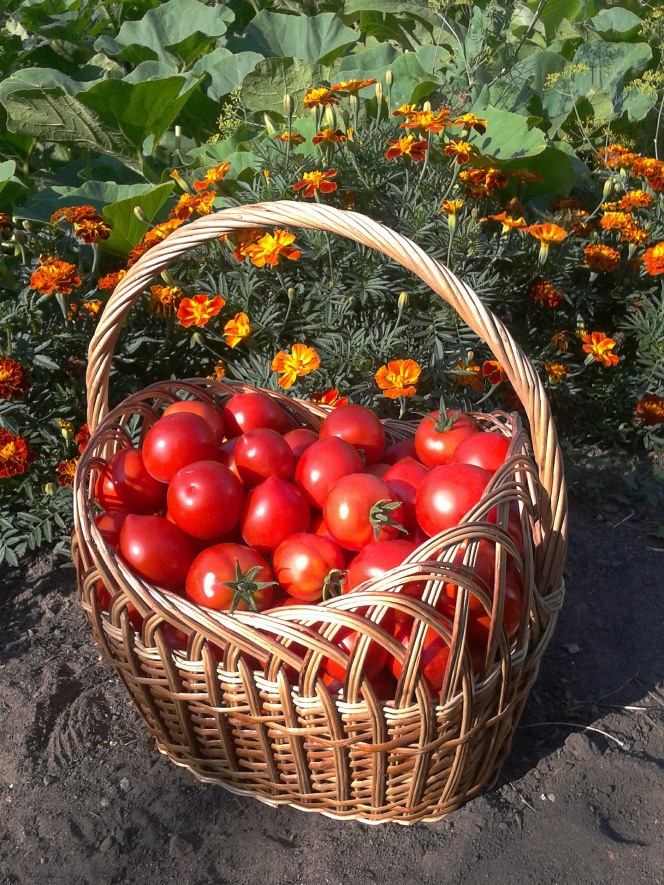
(86, 798)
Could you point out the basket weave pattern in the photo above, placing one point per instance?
(275, 731)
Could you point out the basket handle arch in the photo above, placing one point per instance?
(374, 235)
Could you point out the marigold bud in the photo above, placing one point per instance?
(140, 214)
(379, 93)
(426, 106)
(329, 120)
(288, 104)
(290, 291)
(389, 78)
(49, 488)
(402, 301)
(608, 187)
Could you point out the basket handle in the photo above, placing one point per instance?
(374, 235)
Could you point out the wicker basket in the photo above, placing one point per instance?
(279, 733)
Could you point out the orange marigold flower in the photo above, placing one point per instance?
(329, 136)
(493, 371)
(165, 299)
(245, 238)
(427, 121)
(481, 183)
(271, 247)
(16, 454)
(600, 346)
(92, 230)
(218, 371)
(6, 224)
(634, 234)
(299, 362)
(545, 293)
(14, 379)
(82, 438)
(315, 181)
(601, 258)
(451, 207)
(616, 221)
(237, 329)
(460, 150)
(54, 275)
(111, 280)
(467, 373)
(66, 471)
(212, 176)
(637, 199)
(329, 397)
(650, 409)
(560, 340)
(557, 372)
(470, 121)
(615, 156)
(190, 203)
(406, 147)
(352, 86)
(74, 214)
(406, 110)
(199, 310)
(650, 169)
(319, 96)
(548, 232)
(291, 137)
(156, 235)
(509, 223)
(93, 307)
(653, 259)
(398, 378)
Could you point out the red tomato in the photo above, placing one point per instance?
(360, 508)
(213, 579)
(175, 639)
(304, 563)
(226, 454)
(261, 453)
(322, 464)
(433, 659)
(176, 440)
(104, 598)
(125, 484)
(375, 559)
(403, 478)
(436, 439)
(300, 439)
(205, 499)
(359, 426)
(109, 524)
(346, 639)
(205, 411)
(248, 411)
(405, 448)
(272, 511)
(446, 494)
(485, 450)
(379, 469)
(156, 549)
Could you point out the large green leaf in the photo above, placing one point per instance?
(507, 135)
(184, 28)
(616, 24)
(263, 89)
(316, 38)
(411, 82)
(405, 23)
(374, 62)
(10, 186)
(558, 173)
(41, 78)
(225, 70)
(513, 92)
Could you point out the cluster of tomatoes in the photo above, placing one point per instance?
(235, 510)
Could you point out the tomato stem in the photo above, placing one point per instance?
(379, 516)
(445, 420)
(332, 585)
(244, 587)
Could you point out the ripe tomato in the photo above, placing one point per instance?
(261, 453)
(397, 451)
(230, 576)
(433, 660)
(379, 469)
(304, 563)
(375, 559)
(104, 598)
(205, 499)
(485, 450)
(177, 440)
(205, 411)
(156, 549)
(322, 464)
(360, 508)
(403, 478)
(125, 484)
(359, 426)
(226, 454)
(109, 524)
(346, 639)
(436, 438)
(299, 439)
(446, 494)
(248, 411)
(273, 510)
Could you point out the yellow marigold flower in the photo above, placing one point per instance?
(560, 340)
(66, 471)
(74, 214)
(601, 258)
(245, 238)
(111, 280)
(509, 223)
(16, 454)
(352, 86)
(319, 96)
(329, 136)
(237, 329)
(398, 378)
(600, 346)
(165, 299)
(14, 379)
(315, 181)
(468, 373)
(291, 137)
(460, 150)
(329, 397)
(653, 259)
(406, 147)
(557, 372)
(650, 409)
(301, 361)
(470, 121)
(271, 247)
(54, 275)
(451, 207)
(218, 371)
(212, 176)
(637, 199)
(427, 121)
(545, 293)
(93, 307)
(199, 310)
(493, 371)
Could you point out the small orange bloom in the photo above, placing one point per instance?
(190, 203)
(545, 293)
(406, 110)
(600, 346)
(650, 409)
(467, 373)
(237, 329)
(653, 259)
(6, 224)
(616, 221)
(320, 96)
(199, 310)
(352, 86)
(470, 121)
(14, 379)
(92, 230)
(460, 150)
(111, 280)
(212, 176)
(481, 183)
(560, 340)
(616, 156)
(509, 223)
(548, 232)
(291, 137)
(398, 378)
(427, 121)
(245, 238)
(16, 454)
(93, 307)
(635, 200)
(82, 438)
(329, 397)
(219, 371)
(156, 235)
(650, 169)
(634, 234)
(601, 258)
(165, 299)
(329, 137)
(315, 181)
(493, 371)
(301, 361)
(557, 372)
(66, 471)
(74, 214)
(54, 275)
(271, 247)
(451, 207)
(406, 147)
